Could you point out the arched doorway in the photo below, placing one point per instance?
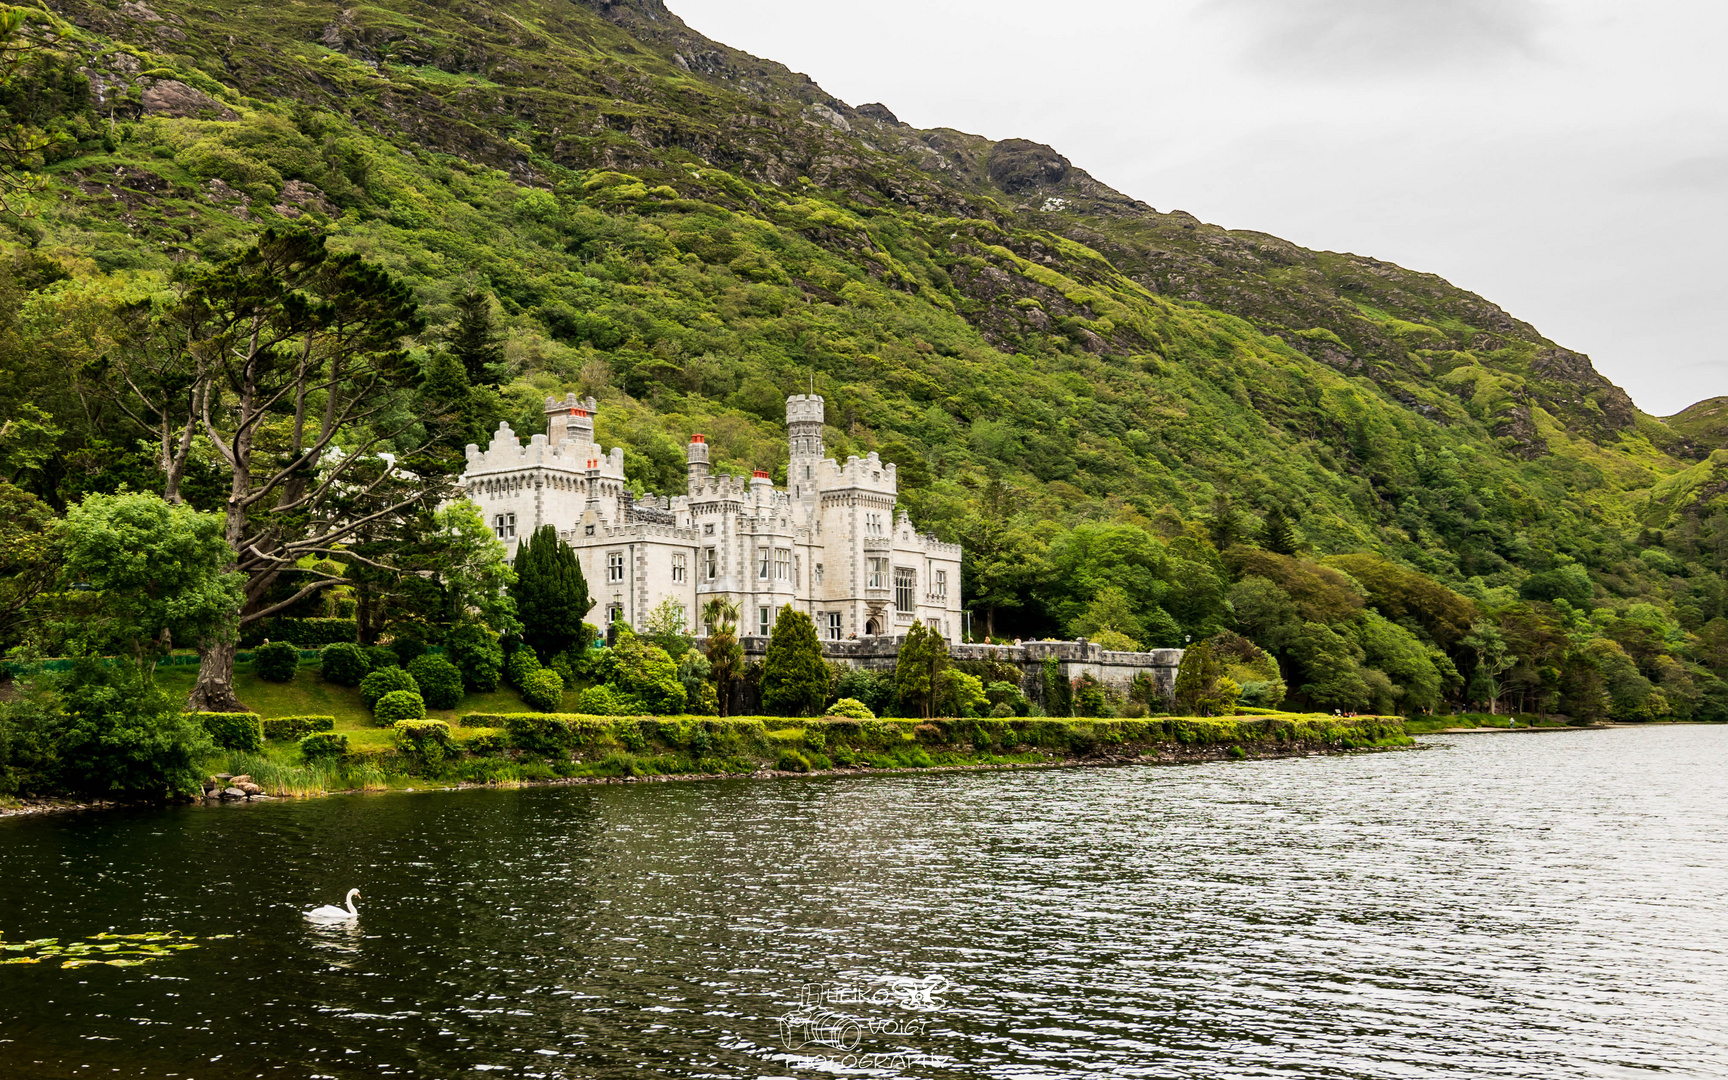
(871, 627)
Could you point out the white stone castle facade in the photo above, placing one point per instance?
(829, 544)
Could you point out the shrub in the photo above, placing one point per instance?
(851, 707)
(1006, 693)
(544, 690)
(234, 730)
(323, 745)
(427, 742)
(277, 661)
(379, 657)
(642, 670)
(605, 701)
(306, 633)
(875, 689)
(293, 727)
(398, 705)
(384, 681)
(440, 681)
(522, 663)
(793, 761)
(115, 733)
(343, 663)
(477, 655)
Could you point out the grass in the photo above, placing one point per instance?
(1427, 725)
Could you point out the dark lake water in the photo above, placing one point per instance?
(1516, 905)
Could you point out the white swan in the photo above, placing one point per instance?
(332, 913)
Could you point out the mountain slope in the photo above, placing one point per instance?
(690, 233)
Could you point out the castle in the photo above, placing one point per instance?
(829, 544)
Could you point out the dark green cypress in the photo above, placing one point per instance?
(794, 676)
(551, 594)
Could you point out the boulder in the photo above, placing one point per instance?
(224, 776)
(233, 793)
(240, 781)
(250, 789)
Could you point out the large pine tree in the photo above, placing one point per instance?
(1277, 535)
(794, 676)
(551, 594)
(474, 339)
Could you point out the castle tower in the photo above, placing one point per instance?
(571, 419)
(696, 455)
(804, 416)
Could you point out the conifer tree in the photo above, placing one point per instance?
(551, 594)
(794, 678)
(918, 669)
(474, 338)
(1276, 535)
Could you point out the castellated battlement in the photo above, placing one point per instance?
(506, 453)
(804, 409)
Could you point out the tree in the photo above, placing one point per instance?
(551, 594)
(473, 339)
(1001, 557)
(287, 360)
(1202, 686)
(1092, 557)
(794, 677)
(1492, 658)
(918, 668)
(668, 626)
(139, 571)
(1276, 535)
(475, 569)
(725, 654)
(27, 564)
(1110, 612)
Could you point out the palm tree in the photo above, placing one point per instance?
(725, 655)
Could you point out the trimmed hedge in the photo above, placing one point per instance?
(276, 662)
(398, 705)
(324, 746)
(234, 730)
(427, 742)
(379, 657)
(383, 681)
(343, 663)
(440, 681)
(293, 727)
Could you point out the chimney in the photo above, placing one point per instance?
(697, 457)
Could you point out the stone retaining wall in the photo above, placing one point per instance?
(1073, 658)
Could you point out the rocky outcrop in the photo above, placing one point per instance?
(170, 97)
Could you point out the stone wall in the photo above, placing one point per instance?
(1073, 658)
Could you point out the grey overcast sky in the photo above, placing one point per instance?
(1567, 160)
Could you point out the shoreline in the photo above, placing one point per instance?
(1170, 754)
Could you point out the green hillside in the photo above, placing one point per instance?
(1094, 396)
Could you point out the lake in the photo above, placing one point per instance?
(1539, 905)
